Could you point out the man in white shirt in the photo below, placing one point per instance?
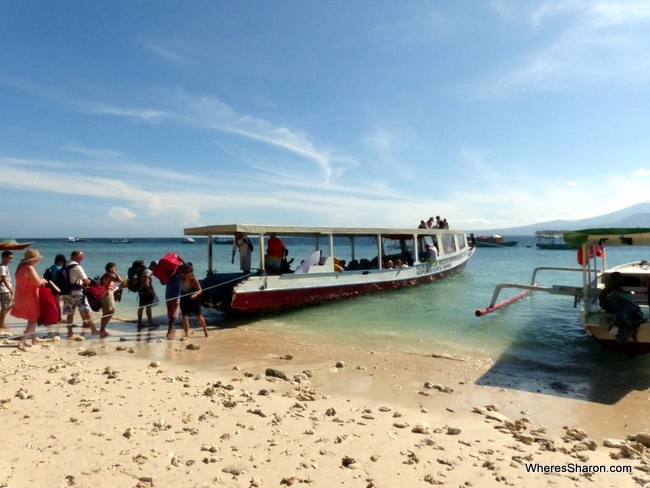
(242, 243)
(6, 289)
(77, 298)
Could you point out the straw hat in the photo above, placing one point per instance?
(31, 255)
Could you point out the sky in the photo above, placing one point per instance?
(142, 118)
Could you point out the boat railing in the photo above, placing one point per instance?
(574, 291)
(553, 268)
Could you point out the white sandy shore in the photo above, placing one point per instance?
(139, 410)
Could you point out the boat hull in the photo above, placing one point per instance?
(605, 336)
(496, 244)
(275, 293)
(554, 247)
(10, 246)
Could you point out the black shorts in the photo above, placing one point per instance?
(144, 299)
(189, 306)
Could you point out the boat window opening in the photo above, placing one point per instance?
(462, 241)
(448, 243)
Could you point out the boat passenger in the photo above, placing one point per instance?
(627, 313)
(276, 252)
(431, 254)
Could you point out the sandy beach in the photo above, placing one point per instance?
(250, 407)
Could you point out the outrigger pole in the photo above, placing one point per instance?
(496, 306)
(573, 291)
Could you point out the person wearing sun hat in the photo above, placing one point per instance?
(26, 296)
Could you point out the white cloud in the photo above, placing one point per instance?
(121, 213)
(590, 42)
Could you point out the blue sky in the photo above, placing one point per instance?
(121, 118)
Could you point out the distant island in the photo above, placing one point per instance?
(630, 217)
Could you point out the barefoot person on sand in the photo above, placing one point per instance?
(6, 289)
(77, 299)
(26, 304)
(190, 302)
(108, 280)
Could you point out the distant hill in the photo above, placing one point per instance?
(634, 216)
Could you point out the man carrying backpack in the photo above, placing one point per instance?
(146, 296)
(76, 299)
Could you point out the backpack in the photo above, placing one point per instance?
(135, 275)
(95, 293)
(62, 280)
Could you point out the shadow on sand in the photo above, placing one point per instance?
(566, 362)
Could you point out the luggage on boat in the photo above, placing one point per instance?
(166, 267)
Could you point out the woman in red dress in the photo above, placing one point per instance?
(26, 296)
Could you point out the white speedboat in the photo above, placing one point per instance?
(619, 320)
(322, 276)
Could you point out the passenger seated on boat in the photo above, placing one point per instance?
(353, 266)
(628, 315)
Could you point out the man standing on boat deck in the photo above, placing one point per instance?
(276, 252)
(245, 247)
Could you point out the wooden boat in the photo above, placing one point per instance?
(322, 277)
(9, 244)
(619, 320)
(494, 241)
(551, 240)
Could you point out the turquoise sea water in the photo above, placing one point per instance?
(535, 344)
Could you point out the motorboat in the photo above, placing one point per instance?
(188, 240)
(223, 240)
(551, 240)
(322, 276)
(77, 239)
(494, 241)
(613, 300)
(121, 241)
(9, 244)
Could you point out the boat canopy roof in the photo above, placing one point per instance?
(635, 236)
(288, 230)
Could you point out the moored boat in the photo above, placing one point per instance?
(9, 244)
(614, 300)
(322, 276)
(223, 240)
(494, 241)
(551, 240)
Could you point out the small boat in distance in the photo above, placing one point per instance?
(78, 239)
(121, 241)
(9, 244)
(188, 240)
(322, 276)
(223, 240)
(494, 241)
(551, 239)
(614, 301)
